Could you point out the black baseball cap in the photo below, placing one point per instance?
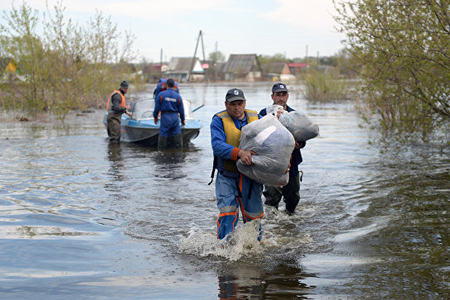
(124, 84)
(279, 87)
(234, 95)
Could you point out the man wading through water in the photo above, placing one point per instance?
(291, 191)
(116, 107)
(233, 189)
(170, 104)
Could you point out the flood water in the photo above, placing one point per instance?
(82, 219)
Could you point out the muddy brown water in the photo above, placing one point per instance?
(82, 219)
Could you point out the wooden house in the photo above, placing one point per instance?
(152, 72)
(244, 67)
(277, 71)
(180, 67)
(297, 68)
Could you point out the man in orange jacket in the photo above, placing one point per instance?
(116, 107)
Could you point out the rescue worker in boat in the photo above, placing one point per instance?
(291, 191)
(116, 106)
(233, 189)
(162, 86)
(170, 104)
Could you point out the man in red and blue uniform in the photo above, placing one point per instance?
(291, 191)
(234, 190)
(162, 86)
(170, 104)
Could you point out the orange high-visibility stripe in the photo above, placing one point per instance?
(259, 217)
(227, 214)
(242, 209)
(235, 213)
(240, 182)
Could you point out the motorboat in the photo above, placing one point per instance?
(140, 127)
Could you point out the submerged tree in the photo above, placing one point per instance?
(64, 67)
(403, 50)
(20, 41)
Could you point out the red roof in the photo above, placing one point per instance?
(297, 65)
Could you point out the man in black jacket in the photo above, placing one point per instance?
(116, 106)
(291, 191)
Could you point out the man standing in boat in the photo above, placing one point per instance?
(116, 107)
(162, 86)
(170, 104)
(233, 189)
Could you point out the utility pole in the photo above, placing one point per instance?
(200, 37)
(306, 55)
(214, 71)
(160, 63)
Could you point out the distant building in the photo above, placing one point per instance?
(244, 67)
(277, 71)
(297, 68)
(154, 71)
(180, 67)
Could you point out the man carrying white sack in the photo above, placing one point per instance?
(291, 191)
(233, 189)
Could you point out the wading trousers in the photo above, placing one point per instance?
(113, 121)
(290, 192)
(232, 194)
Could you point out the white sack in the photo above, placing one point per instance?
(274, 145)
(301, 127)
(275, 109)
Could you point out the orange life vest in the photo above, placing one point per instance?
(122, 103)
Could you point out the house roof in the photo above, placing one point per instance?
(181, 64)
(242, 63)
(297, 65)
(274, 67)
(153, 67)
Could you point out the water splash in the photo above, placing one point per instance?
(243, 242)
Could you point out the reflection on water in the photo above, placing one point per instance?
(115, 159)
(280, 280)
(170, 164)
(82, 218)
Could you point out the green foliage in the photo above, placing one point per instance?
(402, 49)
(67, 66)
(324, 85)
(216, 56)
(278, 57)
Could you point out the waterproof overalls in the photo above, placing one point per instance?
(162, 86)
(116, 107)
(170, 104)
(291, 191)
(233, 189)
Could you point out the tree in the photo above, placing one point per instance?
(277, 57)
(20, 41)
(216, 56)
(403, 50)
(65, 67)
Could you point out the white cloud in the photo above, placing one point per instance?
(315, 14)
(145, 9)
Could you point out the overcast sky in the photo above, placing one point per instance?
(289, 27)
